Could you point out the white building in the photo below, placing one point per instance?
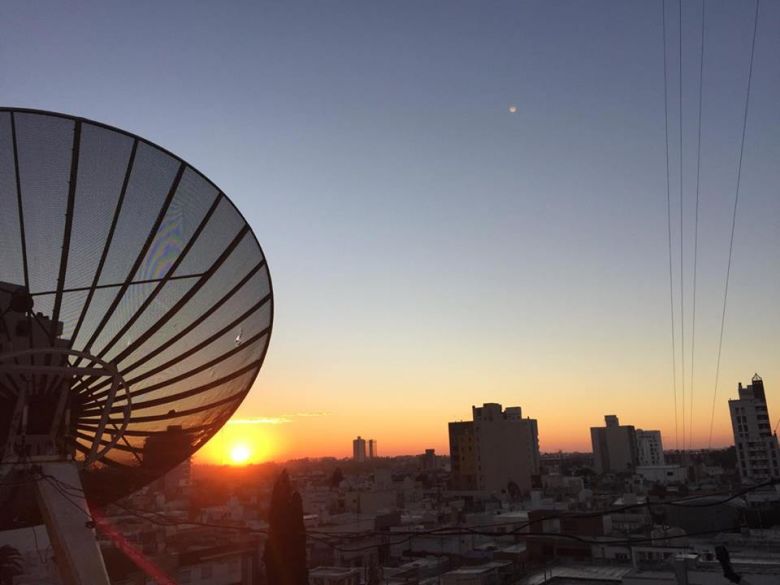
(663, 474)
(497, 448)
(757, 448)
(649, 447)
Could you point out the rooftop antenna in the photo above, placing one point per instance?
(135, 313)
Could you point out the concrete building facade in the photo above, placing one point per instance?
(463, 457)
(757, 448)
(614, 446)
(373, 450)
(496, 448)
(650, 448)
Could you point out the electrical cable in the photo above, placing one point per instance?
(38, 550)
(682, 237)
(688, 502)
(67, 498)
(696, 225)
(669, 225)
(734, 215)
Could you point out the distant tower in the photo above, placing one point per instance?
(359, 449)
(428, 460)
(372, 449)
(757, 448)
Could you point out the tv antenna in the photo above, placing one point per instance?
(136, 310)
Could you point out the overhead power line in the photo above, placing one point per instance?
(682, 231)
(669, 224)
(734, 216)
(154, 517)
(696, 225)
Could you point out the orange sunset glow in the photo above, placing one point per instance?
(408, 408)
(242, 443)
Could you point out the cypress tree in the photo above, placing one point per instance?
(285, 550)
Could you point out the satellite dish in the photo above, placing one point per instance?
(135, 305)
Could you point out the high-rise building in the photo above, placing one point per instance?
(757, 449)
(614, 446)
(463, 455)
(373, 453)
(496, 448)
(359, 449)
(650, 448)
(428, 460)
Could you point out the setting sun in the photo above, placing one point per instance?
(239, 454)
(240, 443)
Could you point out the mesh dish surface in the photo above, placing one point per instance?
(133, 257)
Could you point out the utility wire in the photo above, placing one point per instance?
(67, 490)
(688, 502)
(734, 216)
(627, 543)
(154, 517)
(682, 238)
(696, 224)
(669, 225)
(56, 485)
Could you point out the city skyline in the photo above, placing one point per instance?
(458, 204)
(649, 448)
(383, 293)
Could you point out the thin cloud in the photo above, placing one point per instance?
(309, 414)
(260, 420)
(274, 420)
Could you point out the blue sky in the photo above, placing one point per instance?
(431, 250)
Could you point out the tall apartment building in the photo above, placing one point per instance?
(359, 449)
(497, 447)
(372, 449)
(757, 449)
(614, 446)
(650, 448)
(463, 455)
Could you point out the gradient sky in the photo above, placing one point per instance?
(429, 249)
